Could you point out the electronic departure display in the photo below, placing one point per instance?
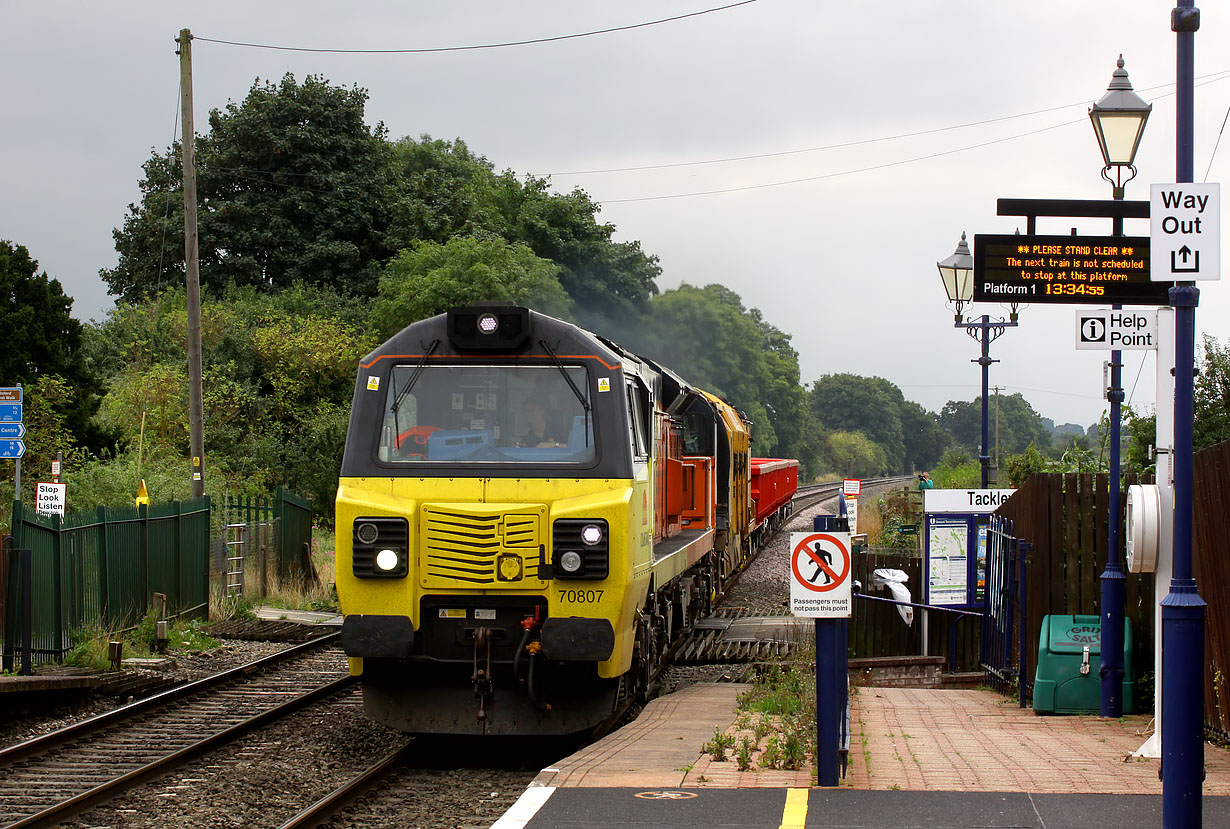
(1069, 270)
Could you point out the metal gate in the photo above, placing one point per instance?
(1004, 647)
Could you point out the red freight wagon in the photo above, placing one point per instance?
(774, 482)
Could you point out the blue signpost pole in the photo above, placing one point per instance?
(827, 725)
(984, 457)
(1113, 579)
(985, 331)
(1183, 610)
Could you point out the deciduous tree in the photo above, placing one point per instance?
(43, 340)
(430, 278)
(293, 187)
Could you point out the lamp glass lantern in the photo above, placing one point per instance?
(957, 274)
(1119, 120)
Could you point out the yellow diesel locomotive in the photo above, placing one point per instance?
(528, 514)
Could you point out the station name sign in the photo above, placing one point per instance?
(1065, 270)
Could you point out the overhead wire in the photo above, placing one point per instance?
(1216, 144)
(167, 212)
(1143, 356)
(859, 143)
(1211, 78)
(840, 173)
(505, 44)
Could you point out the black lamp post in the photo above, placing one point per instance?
(957, 274)
(1118, 122)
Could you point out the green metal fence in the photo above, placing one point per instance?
(100, 568)
(266, 539)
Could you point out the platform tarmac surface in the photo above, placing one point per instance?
(918, 757)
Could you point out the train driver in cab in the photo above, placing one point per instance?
(540, 432)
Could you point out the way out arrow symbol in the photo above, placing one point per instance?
(1185, 252)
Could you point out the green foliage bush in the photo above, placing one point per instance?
(957, 470)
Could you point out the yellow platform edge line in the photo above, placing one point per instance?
(794, 816)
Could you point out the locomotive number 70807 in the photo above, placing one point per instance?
(581, 596)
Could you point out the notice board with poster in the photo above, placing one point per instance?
(955, 544)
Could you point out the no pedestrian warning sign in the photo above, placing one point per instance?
(820, 575)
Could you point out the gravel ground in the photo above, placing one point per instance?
(262, 779)
(268, 777)
(188, 667)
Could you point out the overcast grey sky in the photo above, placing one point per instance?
(844, 262)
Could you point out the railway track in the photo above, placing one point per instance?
(50, 778)
(409, 788)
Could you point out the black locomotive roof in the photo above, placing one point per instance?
(564, 338)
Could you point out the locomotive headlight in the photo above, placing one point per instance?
(367, 532)
(487, 323)
(581, 548)
(380, 547)
(387, 560)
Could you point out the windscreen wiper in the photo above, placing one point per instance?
(398, 397)
(580, 397)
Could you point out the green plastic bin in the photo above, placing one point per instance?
(1069, 657)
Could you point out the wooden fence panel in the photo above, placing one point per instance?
(880, 629)
(1211, 529)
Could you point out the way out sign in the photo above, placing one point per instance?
(1185, 231)
(820, 575)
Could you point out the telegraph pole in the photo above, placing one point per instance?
(196, 406)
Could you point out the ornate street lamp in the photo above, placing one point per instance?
(1119, 121)
(957, 274)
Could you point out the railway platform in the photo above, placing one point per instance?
(918, 757)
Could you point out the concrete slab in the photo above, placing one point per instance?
(658, 749)
(770, 629)
(303, 617)
(162, 663)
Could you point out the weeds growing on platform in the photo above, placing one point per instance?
(776, 724)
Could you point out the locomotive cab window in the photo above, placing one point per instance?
(488, 414)
(639, 407)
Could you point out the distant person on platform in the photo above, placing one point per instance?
(925, 482)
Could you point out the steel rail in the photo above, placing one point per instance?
(47, 741)
(320, 812)
(110, 788)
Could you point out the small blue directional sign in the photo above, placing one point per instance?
(12, 430)
(12, 448)
(10, 412)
